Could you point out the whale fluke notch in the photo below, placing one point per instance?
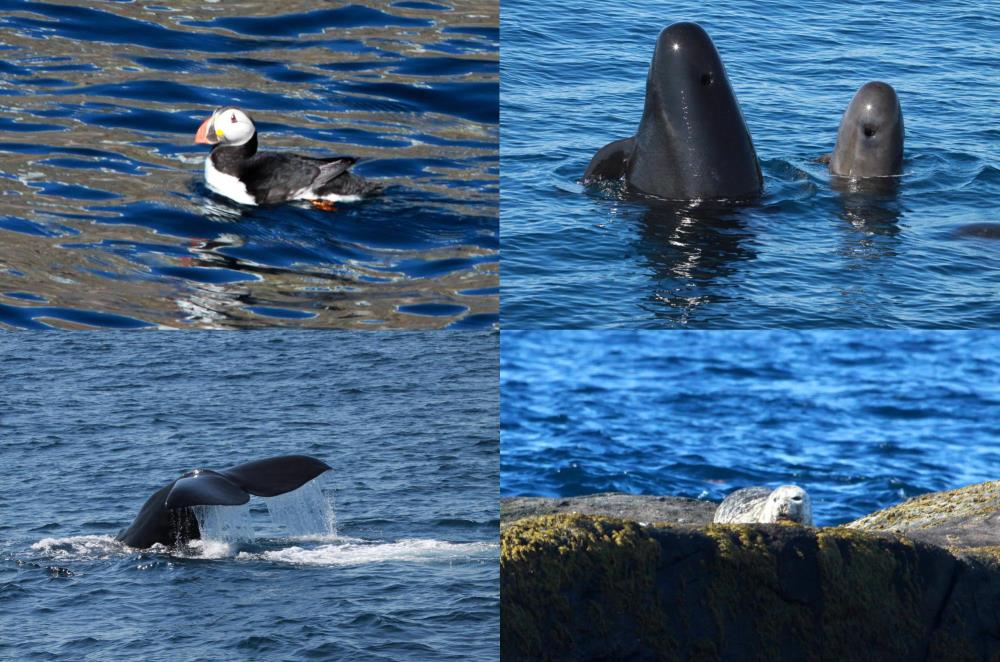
(205, 488)
(167, 518)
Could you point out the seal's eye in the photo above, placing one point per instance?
(869, 130)
(706, 78)
(796, 498)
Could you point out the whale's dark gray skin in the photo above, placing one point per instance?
(692, 142)
(979, 231)
(167, 518)
(870, 138)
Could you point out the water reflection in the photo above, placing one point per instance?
(872, 209)
(690, 248)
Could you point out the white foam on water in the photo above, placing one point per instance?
(79, 547)
(226, 524)
(306, 511)
(209, 549)
(352, 553)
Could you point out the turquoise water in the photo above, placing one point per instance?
(572, 79)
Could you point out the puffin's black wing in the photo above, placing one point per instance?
(271, 177)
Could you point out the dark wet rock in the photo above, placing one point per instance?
(634, 507)
(583, 587)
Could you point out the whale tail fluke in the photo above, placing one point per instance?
(276, 475)
(206, 488)
(233, 486)
(167, 518)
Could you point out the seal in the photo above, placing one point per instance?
(870, 137)
(692, 142)
(168, 517)
(762, 505)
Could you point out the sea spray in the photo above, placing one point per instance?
(224, 523)
(303, 512)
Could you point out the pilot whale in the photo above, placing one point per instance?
(168, 517)
(692, 142)
(870, 136)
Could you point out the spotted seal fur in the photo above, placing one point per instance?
(762, 505)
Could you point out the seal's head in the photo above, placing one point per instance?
(788, 503)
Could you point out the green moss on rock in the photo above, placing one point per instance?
(934, 509)
(586, 587)
(556, 569)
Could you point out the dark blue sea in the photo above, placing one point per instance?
(402, 562)
(861, 419)
(805, 256)
(105, 220)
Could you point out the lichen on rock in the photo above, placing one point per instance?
(584, 587)
(966, 520)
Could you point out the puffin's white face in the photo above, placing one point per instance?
(788, 502)
(233, 126)
(226, 126)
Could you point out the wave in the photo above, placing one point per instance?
(412, 550)
(337, 550)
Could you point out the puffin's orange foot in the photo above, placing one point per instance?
(325, 205)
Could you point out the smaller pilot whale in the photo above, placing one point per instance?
(167, 516)
(870, 137)
(692, 142)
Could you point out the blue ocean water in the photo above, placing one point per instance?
(573, 78)
(861, 419)
(92, 424)
(105, 220)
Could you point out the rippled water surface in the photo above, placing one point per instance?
(805, 256)
(105, 220)
(861, 419)
(92, 424)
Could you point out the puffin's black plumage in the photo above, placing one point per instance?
(271, 177)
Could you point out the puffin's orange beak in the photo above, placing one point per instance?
(203, 137)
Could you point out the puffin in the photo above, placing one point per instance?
(235, 169)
